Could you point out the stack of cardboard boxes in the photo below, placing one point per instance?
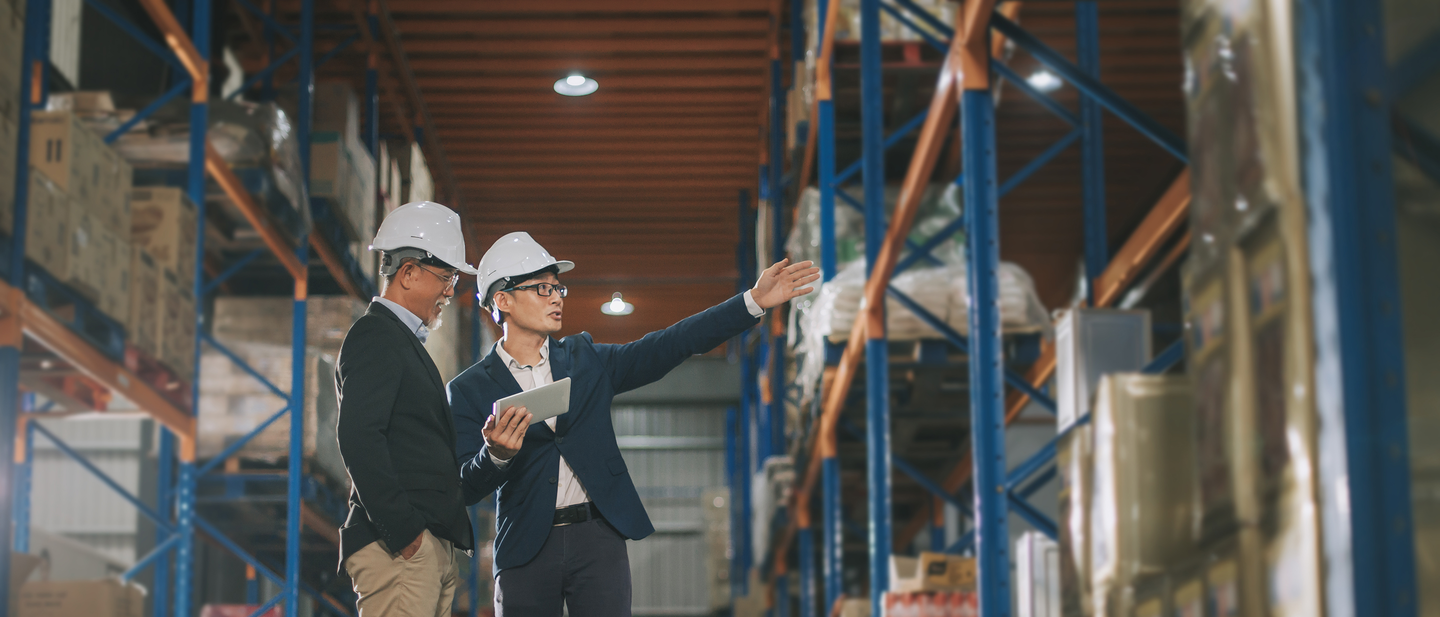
(163, 230)
(933, 584)
(12, 25)
(80, 211)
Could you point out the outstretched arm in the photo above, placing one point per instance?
(647, 360)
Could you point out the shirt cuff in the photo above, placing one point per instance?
(498, 463)
(755, 310)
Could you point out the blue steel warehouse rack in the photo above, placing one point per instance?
(1353, 259)
(174, 513)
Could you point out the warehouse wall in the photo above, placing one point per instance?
(672, 434)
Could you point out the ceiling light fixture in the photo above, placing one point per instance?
(576, 85)
(617, 306)
(1044, 81)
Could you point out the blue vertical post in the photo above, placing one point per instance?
(22, 491)
(372, 105)
(805, 544)
(732, 482)
(877, 360)
(1360, 395)
(833, 532)
(1092, 147)
(37, 29)
(164, 504)
(825, 165)
(776, 410)
(195, 190)
(987, 389)
(304, 118)
(782, 595)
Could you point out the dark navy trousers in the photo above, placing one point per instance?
(584, 567)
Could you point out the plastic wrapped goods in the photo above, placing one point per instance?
(267, 320)
(257, 140)
(1074, 460)
(233, 403)
(939, 206)
(1208, 356)
(1143, 505)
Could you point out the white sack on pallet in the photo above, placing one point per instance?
(942, 291)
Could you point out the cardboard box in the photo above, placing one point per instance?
(21, 565)
(143, 324)
(164, 223)
(177, 328)
(248, 319)
(88, 254)
(66, 152)
(116, 281)
(12, 36)
(48, 229)
(78, 161)
(112, 190)
(104, 598)
(7, 172)
(931, 572)
(337, 110)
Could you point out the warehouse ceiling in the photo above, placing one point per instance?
(639, 182)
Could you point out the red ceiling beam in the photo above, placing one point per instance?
(565, 134)
(551, 28)
(596, 66)
(436, 85)
(550, 98)
(509, 7)
(596, 46)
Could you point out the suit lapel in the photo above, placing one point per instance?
(425, 359)
(560, 369)
(500, 374)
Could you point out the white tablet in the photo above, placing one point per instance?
(543, 403)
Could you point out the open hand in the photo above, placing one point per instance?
(505, 436)
(783, 282)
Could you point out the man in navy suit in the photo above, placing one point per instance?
(566, 503)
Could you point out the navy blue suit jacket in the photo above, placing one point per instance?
(584, 435)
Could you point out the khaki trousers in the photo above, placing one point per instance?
(389, 585)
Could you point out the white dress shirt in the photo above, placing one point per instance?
(411, 321)
(570, 491)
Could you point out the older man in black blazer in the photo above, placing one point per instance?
(407, 514)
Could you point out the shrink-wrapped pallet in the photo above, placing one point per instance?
(233, 403)
(1074, 460)
(1143, 505)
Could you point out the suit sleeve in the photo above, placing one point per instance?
(647, 360)
(479, 475)
(369, 385)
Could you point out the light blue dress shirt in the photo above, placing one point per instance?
(413, 323)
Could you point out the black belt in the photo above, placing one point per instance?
(577, 513)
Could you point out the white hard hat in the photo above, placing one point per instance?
(426, 227)
(514, 254)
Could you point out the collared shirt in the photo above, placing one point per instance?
(413, 323)
(570, 491)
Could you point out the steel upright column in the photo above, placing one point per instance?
(1092, 147)
(1345, 127)
(806, 546)
(37, 29)
(195, 190)
(830, 529)
(877, 361)
(987, 386)
(304, 117)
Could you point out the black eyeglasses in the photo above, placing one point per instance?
(450, 280)
(541, 289)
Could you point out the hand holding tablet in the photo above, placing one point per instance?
(543, 403)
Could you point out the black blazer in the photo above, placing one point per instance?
(397, 439)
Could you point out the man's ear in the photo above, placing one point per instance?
(502, 301)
